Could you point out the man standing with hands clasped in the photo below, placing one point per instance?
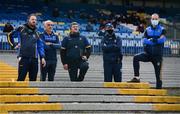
(75, 51)
(112, 55)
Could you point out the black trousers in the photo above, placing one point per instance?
(49, 69)
(156, 61)
(73, 68)
(112, 70)
(27, 65)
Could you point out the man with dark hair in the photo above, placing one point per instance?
(75, 51)
(29, 45)
(112, 55)
(154, 38)
(51, 44)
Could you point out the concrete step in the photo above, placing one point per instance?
(85, 83)
(76, 85)
(80, 91)
(90, 107)
(89, 99)
(94, 112)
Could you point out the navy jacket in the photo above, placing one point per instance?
(74, 47)
(50, 50)
(29, 41)
(111, 47)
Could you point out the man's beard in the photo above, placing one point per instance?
(33, 25)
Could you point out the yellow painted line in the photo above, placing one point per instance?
(7, 73)
(12, 91)
(12, 79)
(142, 91)
(31, 107)
(8, 76)
(8, 79)
(3, 112)
(5, 66)
(9, 68)
(166, 107)
(127, 85)
(23, 98)
(14, 84)
(157, 99)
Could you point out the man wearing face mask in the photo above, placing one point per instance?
(29, 46)
(154, 38)
(112, 55)
(51, 44)
(75, 51)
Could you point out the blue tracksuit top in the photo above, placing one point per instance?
(50, 50)
(153, 44)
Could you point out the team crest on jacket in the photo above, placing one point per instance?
(76, 46)
(34, 36)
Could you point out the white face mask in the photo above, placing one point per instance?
(154, 22)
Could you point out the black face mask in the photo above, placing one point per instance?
(110, 31)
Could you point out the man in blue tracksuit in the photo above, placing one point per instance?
(112, 55)
(51, 44)
(75, 51)
(29, 45)
(154, 38)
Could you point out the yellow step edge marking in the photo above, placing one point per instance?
(8, 79)
(5, 66)
(3, 112)
(126, 85)
(142, 91)
(12, 79)
(156, 99)
(166, 107)
(8, 69)
(14, 84)
(7, 91)
(23, 98)
(8, 72)
(31, 107)
(8, 76)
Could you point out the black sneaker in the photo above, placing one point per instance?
(134, 80)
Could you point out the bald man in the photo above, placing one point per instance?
(51, 44)
(154, 38)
